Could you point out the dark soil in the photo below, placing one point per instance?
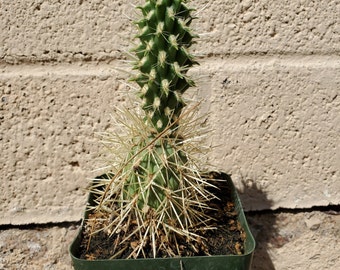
(227, 239)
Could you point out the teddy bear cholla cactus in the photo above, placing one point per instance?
(155, 196)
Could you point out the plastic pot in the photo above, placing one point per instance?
(227, 262)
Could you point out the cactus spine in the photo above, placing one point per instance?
(157, 194)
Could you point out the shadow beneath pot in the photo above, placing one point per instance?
(262, 225)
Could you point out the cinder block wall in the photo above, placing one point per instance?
(269, 77)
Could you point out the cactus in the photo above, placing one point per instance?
(156, 195)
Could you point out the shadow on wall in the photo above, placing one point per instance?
(262, 225)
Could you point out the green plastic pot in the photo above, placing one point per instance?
(227, 262)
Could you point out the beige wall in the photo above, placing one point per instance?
(276, 122)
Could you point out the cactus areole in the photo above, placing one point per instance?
(163, 59)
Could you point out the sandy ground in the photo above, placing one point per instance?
(308, 240)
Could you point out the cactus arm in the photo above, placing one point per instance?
(163, 59)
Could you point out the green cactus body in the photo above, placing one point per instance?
(163, 59)
(153, 175)
(156, 182)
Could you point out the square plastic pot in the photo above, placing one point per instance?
(226, 262)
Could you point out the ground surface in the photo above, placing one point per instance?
(306, 240)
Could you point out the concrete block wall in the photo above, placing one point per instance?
(269, 76)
